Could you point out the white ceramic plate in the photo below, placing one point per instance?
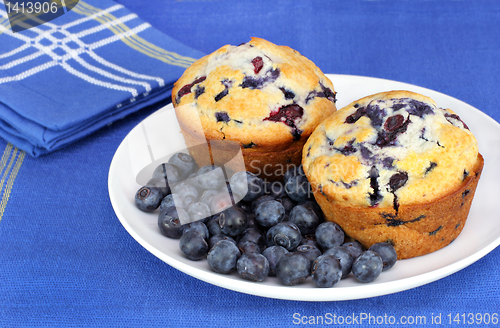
(159, 134)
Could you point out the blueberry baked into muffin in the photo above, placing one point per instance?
(394, 167)
(266, 98)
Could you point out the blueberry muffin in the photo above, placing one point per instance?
(394, 167)
(266, 99)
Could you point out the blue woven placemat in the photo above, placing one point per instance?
(66, 261)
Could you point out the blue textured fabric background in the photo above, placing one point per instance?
(65, 259)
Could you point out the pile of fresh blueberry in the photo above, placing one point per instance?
(255, 227)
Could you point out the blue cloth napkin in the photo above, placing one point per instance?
(64, 79)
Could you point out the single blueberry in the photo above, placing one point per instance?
(367, 267)
(168, 171)
(207, 196)
(193, 245)
(210, 177)
(216, 238)
(184, 163)
(199, 227)
(169, 223)
(198, 211)
(220, 202)
(269, 213)
(223, 256)
(253, 266)
(148, 199)
(387, 253)
(329, 234)
(298, 188)
(394, 122)
(187, 191)
(344, 257)
(315, 207)
(305, 218)
(287, 203)
(354, 248)
(254, 235)
(311, 252)
(232, 221)
(213, 225)
(246, 186)
(293, 268)
(273, 255)
(389, 138)
(248, 247)
(259, 200)
(284, 234)
(326, 271)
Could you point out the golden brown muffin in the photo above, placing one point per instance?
(266, 98)
(394, 167)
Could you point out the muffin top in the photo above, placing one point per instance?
(258, 94)
(389, 149)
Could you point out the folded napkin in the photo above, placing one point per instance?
(64, 79)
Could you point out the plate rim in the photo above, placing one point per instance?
(287, 292)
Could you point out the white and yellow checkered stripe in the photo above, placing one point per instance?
(121, 29)
(10, 164)
(106, 20)
(133, 41)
